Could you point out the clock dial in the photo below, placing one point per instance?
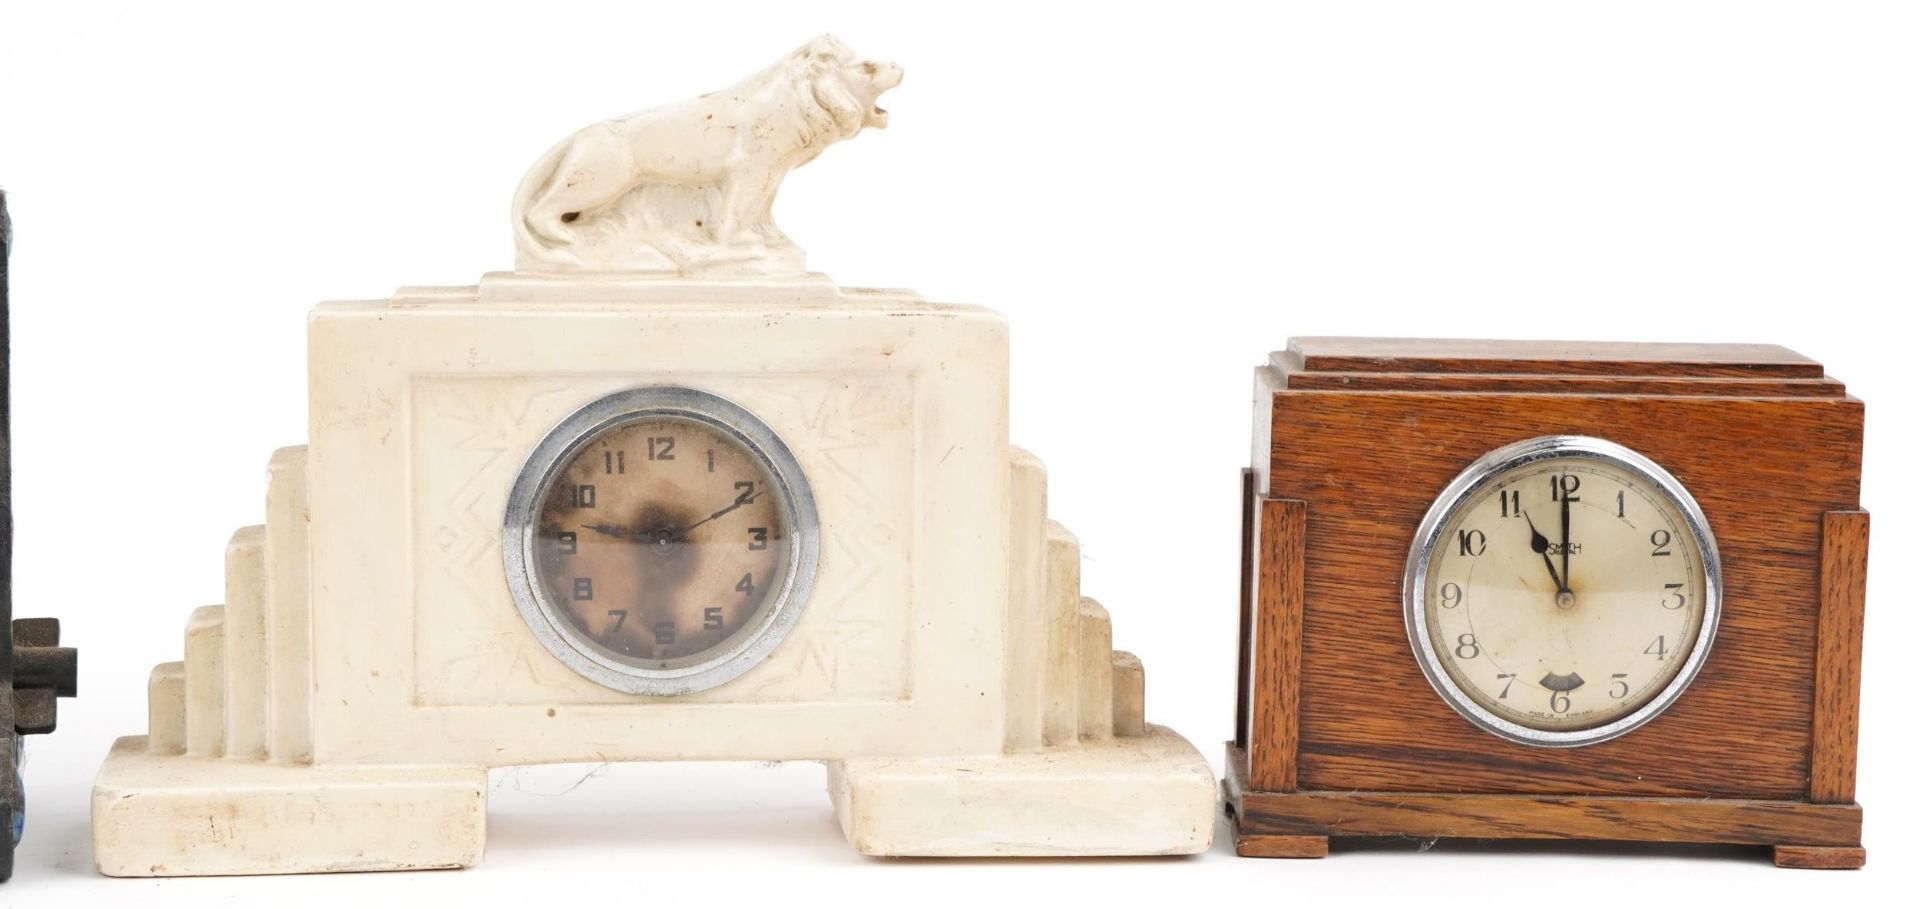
(1564, 592)
(661, 541)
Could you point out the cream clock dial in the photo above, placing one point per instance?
(1562, 591)
(661, 541)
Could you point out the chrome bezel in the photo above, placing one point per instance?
(587, 657)
(1497, 463)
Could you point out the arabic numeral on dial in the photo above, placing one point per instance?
(712, 617)
(1662, 542)
(1657, 649)
(1620, 504)
(663, 632)
(1450, 595)
(1619, 688)
(1509, 503)
(619, 617)
(614, 461)
(1472, 542)
(568, 541)
(583, 495)
(1466, 646)
(659, 448)
(709, 460)
(1673, 593)
(746, 492)
(756, 538)
(746, 584)
(583, 588)
(1508, 676)
(1564, 487)
(1559, 701)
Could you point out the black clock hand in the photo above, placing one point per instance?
(1566, 535)
(743, 500)
(613, 530)
(1540, 546)
(661, 536)
(672, 533)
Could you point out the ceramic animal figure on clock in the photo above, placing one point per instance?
(662, 495)
(1531, 590)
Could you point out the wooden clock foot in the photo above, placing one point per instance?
(1258, 845)
(1829, 858)
(1271, 845)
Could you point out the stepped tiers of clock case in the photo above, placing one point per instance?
(375, 654)
(1543, 590)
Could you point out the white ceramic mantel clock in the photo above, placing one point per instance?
(659, 495)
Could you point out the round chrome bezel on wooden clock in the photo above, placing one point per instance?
(1466, 490)
(742, 650)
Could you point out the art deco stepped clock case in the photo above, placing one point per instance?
(1515, 590)
(661, 495)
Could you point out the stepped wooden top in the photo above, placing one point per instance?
(1572, 367)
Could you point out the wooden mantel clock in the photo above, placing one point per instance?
(1570, 591)
(660, 494)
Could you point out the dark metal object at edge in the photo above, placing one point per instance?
(35, 671)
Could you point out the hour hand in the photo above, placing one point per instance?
(1540, 545)
(611, 530)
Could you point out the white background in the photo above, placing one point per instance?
(1157, 195)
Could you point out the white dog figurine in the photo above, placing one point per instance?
(688, 188)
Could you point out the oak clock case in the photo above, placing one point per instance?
(1550, 590)
(659, 494)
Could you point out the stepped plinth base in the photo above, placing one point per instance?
(170, 815)
(166, 815)
(1146, 795)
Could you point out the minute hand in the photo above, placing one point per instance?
(743, 500)
(1566, 536)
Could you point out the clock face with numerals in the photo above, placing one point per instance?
(1562, 591)
(661, 541)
